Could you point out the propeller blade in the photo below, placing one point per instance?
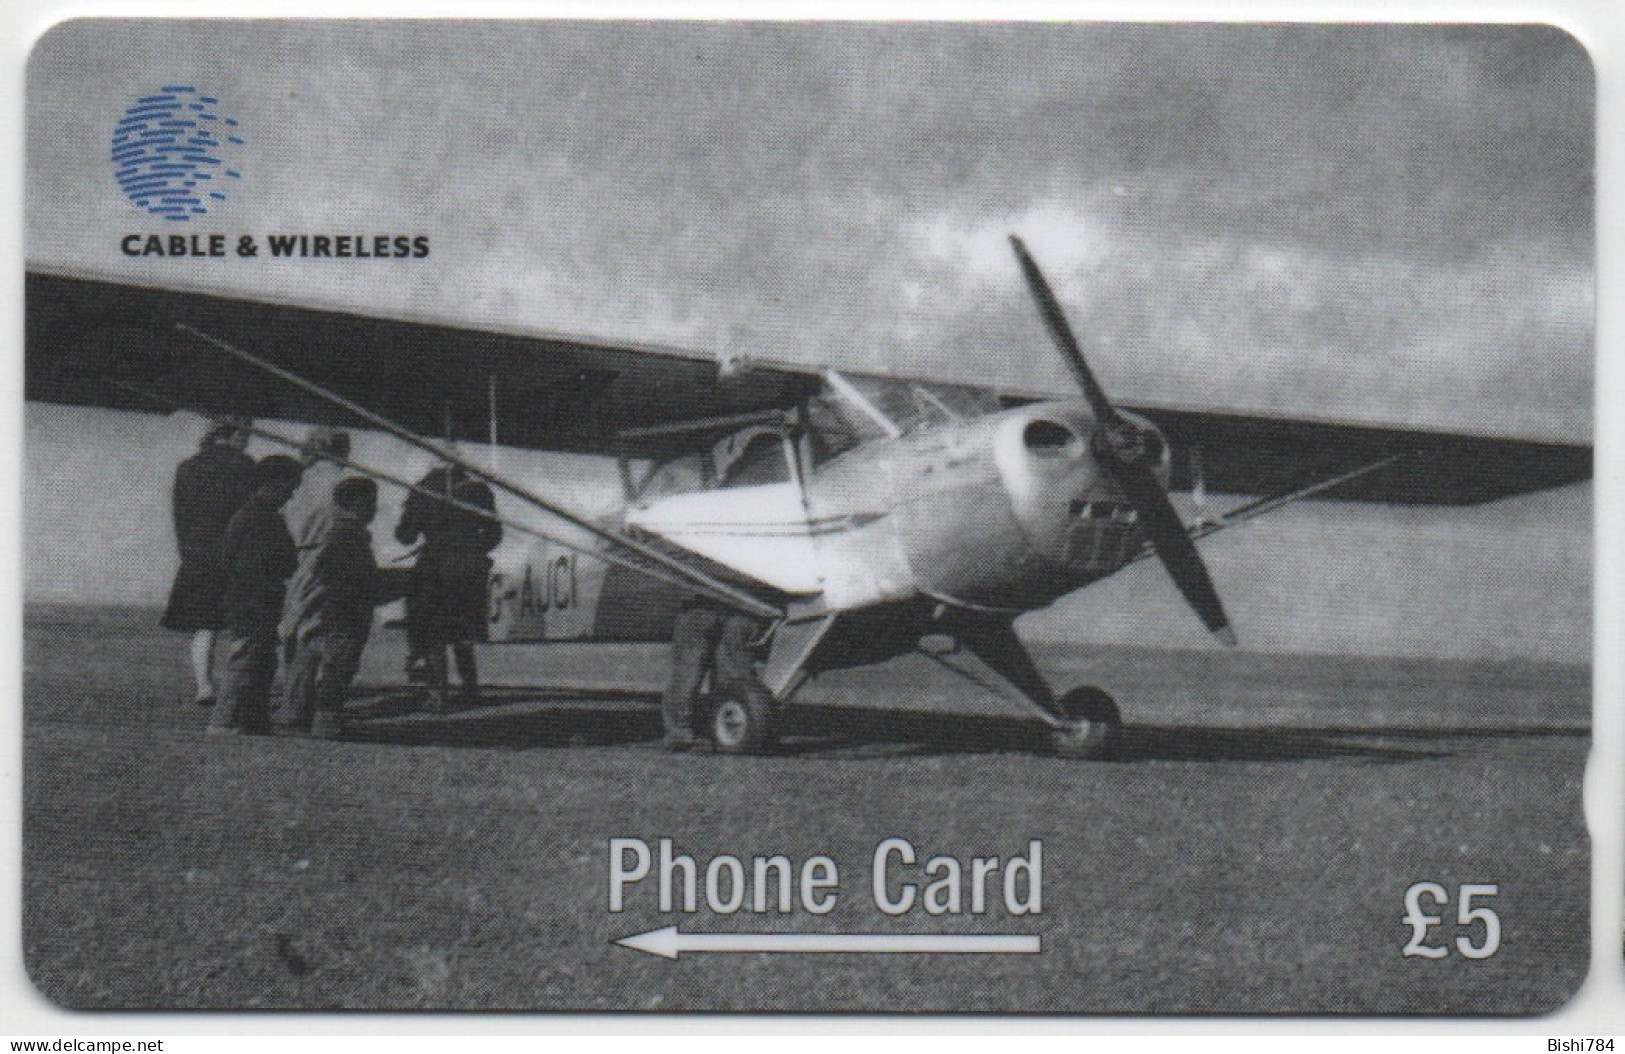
(1061, 332)
(1121, 447)
(1174, 546)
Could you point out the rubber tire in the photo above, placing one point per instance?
(740, 726)
(1095, 724)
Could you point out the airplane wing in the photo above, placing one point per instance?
(1263, 455)
(551, 393)
(92, 341)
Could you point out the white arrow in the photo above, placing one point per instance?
(670, 942)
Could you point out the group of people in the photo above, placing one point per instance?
(277, 568)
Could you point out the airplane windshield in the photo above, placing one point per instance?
(850, 410)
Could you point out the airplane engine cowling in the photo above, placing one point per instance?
(1075, 520)
(1044, 461)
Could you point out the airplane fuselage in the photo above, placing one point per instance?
(1002, 513)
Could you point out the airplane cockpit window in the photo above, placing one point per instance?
(850, 410)
(829, 432)
(746, 458)
(964, 403)
(752, 457)
(678, 475)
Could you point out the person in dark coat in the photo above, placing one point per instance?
(345, 584)
(210, 486)
(257, 557)
(447, 602)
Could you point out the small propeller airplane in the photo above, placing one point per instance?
(857, 516)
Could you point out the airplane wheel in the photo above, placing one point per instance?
(1094, 722)
(742, 726)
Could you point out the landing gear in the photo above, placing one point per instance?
(1083, 722)
(741, 723)
(1091, 723)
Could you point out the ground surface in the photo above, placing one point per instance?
(1248, 852)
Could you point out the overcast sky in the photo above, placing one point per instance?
(1400, 217)
(1388, 224)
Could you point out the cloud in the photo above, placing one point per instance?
(1388, 216)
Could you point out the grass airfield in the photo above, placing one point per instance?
(1247, 852)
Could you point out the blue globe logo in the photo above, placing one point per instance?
(171, 153)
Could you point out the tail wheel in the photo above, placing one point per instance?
(1092, 724)
(742, 725)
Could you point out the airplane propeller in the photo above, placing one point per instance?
(1128, 453)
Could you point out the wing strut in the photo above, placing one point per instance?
(692, 578)
(1263, 506)
(381, 476)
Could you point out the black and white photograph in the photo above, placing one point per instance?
(638, 517)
